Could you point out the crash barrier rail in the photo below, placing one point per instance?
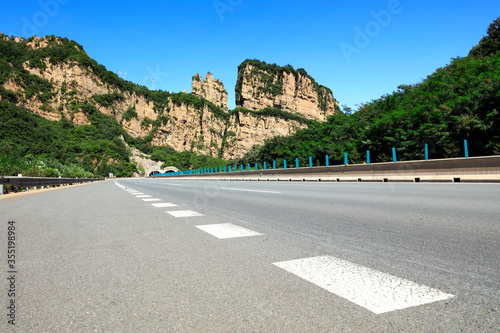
(472, 169)
(44, 181)
(250, 166)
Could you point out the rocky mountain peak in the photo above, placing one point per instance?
(210, 89)
(262, 85)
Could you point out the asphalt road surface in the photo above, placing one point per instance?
(165, 255)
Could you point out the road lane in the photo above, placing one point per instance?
(451, 224)
(99, 258)
(443, 232)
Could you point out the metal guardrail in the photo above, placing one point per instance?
(44, 181)
(485, 168)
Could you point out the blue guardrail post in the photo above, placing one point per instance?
(297, 162)
(426, 152)
(327, 161)
(248, 167)
(394, 159)
(310, 161)
(242, 168)
(345, 159)
(274, 164)
(466, 148)
(256, 166)
(284, 164)
(367, 157)
(265, 166)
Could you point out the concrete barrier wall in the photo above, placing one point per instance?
(473, 169)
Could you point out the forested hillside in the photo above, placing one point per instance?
(458, 102)
(34, 146)
(80, 140)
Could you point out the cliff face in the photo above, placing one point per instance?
(261, 85)
(198, 122)
(248, 129)
(179, 125)
(210, 89)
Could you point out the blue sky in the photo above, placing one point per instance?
(360, 49)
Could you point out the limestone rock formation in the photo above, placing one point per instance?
(261, 85)
(179, 120)
(247, 130)
(210, 89)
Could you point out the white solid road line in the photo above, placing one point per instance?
(164, 204)
(376, 291)
(184, 213)
(227, 230)
(240, 189)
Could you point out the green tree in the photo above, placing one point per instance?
(490, 44)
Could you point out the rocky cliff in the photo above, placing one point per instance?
(210, 89)
(58, 80)
(261, 85)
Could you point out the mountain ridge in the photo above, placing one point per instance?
(55, 78)
(73, 84)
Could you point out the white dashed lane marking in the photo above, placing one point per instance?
(227, 230)
(374, 290)
(164, 204)
(184, 213)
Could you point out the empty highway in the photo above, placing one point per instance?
(166, 255)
